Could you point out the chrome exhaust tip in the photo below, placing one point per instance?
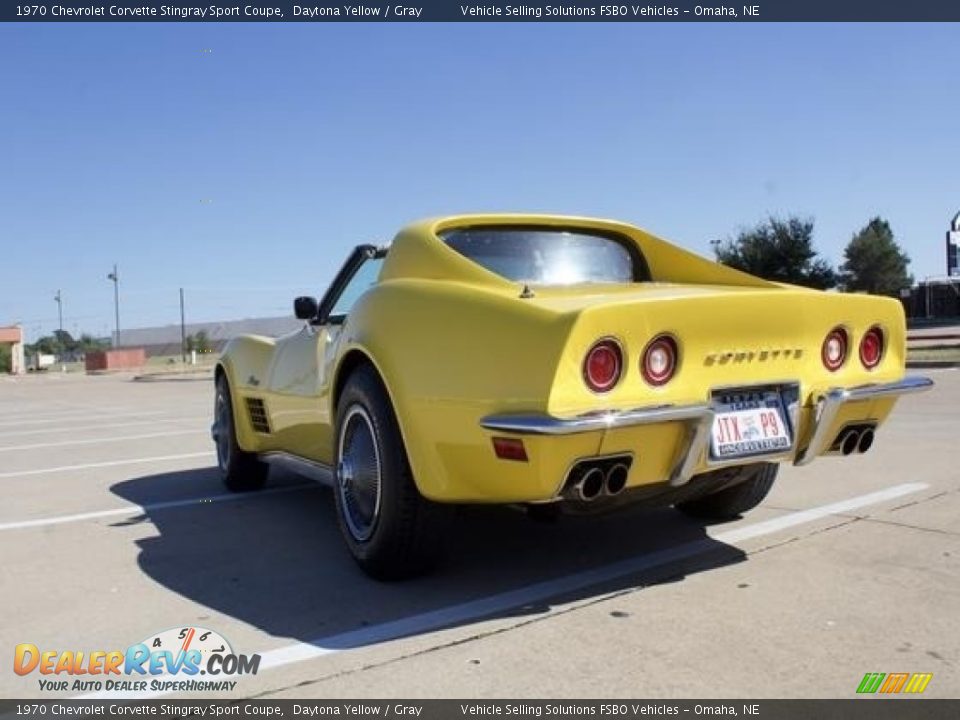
(866, 440)
(590, 485)
(849, 442)
(616, 479)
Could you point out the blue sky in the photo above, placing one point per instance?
(242, 161)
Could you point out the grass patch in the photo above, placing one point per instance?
(159, 363)
(934, 354)
(174, 363)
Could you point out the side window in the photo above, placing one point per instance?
(363, 279)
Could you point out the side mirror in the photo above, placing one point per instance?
(305, 308)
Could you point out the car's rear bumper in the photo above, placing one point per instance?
(830, 403)
(698, 420)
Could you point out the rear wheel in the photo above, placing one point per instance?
(392, 531)
(240, 471)
(733, 501)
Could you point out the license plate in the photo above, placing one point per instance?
(748, 423)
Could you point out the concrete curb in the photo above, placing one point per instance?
(173, 377)
(930, 364)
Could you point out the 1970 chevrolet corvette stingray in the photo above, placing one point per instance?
(550, 361)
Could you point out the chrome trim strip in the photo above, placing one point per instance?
(698, 417)
(911, 384)
(699, 439)
(312, 469)
(531, 424)
(829, 404)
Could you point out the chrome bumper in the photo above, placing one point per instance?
(698, 418)
(829, 404)
(699, 421)
(589, 422)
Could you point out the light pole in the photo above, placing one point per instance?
(183, 331)
(58, 299)
(116, 302)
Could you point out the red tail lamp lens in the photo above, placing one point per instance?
(603, 366)
(871, 348)
(659, 360)
(834, 350)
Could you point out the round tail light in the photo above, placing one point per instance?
(834, 350)
(871, 348)
(659, 360)
(603, 366)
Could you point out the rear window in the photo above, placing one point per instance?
(550, 256)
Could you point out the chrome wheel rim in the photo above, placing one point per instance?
(222, 430)
(359, 474)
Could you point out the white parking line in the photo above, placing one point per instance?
(46, 411)
(110, 463)
(83, 416)
(475, 610)
(86, 427)
(133, 510)
(97, 441)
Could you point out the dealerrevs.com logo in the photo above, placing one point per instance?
(170, 661)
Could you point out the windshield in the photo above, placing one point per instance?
(549, 256)
(363, 279)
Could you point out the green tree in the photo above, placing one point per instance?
(5, 358)
(874, 263)
(88, 343)
(202, 342)
(46, 345)
(64, 340)
(778, 250)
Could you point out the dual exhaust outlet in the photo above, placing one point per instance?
(855, 440)
(591, 479)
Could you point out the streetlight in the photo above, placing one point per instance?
(58, 299)
(116, 302)
(183, 331)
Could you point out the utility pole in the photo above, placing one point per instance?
(58, 299)
(116, 302)
(183, 331)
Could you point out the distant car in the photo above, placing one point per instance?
(550, 361)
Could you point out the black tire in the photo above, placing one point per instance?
(391, 530)
(733, 501)
(240, 471)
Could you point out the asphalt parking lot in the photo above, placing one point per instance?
(114, 527)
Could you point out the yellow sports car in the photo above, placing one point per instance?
(552, 362)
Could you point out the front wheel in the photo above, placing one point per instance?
(240, 470)
(733, 501)
(392, 531)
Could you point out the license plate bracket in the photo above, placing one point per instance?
(750, 422)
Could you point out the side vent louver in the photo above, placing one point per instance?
(258, 415)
